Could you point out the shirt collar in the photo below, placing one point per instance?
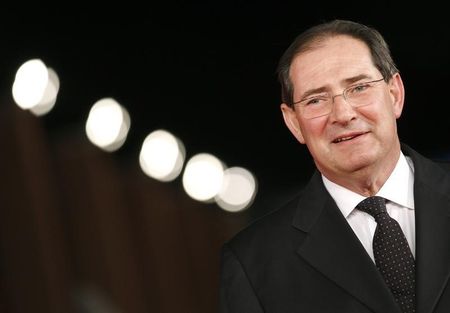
(398, 188)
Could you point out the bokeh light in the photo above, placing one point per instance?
(162, 155)
(238, 189)
(50, 95)
(30, 83)
(202, 177)
(108, 124)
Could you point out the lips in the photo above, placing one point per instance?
(347, 137)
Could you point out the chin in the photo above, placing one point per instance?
(355, 162)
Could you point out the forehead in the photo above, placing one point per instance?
(330, 60)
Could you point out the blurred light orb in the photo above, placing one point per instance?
(238, 190)
(162, 156)
(30, 83)
(202, 177)
(50, 94)
(108, 124)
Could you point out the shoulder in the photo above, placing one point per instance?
(427, 171)
(444, 164)
(267, 231)
(285, 225)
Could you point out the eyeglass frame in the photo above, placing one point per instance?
(343, 94)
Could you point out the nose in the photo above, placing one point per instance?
(341, 112)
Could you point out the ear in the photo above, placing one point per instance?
(291, 121)
(397, 92)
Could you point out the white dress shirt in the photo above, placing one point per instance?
(398, 190)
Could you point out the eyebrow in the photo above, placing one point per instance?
(346, 81)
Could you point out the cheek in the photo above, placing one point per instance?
(375, 112)
(314, 129)
(380, 106)
(380, 118)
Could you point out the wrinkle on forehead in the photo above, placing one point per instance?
(332, 62)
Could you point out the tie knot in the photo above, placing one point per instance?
(373, 205)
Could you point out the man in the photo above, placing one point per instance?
(320, 252)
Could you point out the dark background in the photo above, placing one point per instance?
(205, 72)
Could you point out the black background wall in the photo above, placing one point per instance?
(81, 227)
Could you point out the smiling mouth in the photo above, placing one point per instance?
(347, 138)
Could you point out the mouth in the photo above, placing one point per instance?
(348, 137)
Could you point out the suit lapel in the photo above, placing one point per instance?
(333, 249)
(432, 212)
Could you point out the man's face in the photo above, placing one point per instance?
(349, 138)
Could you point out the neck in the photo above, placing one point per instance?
(368, 180)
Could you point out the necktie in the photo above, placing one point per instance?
(393, 256)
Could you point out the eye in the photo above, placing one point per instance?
(358, 88)
(316, 100)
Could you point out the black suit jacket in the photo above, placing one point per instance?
(305, 257)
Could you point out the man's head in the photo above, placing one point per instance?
(342, 100)
(308, 40)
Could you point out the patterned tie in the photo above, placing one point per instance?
(393, 256)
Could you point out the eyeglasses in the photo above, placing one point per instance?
(321, 104)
